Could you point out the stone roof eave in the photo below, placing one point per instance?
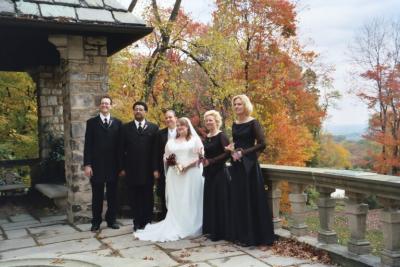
(118, 35)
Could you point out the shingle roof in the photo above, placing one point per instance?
(109, 12)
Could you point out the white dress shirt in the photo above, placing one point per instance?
(142, 123)
(102, 117)
(171, 133)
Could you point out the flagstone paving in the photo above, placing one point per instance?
(51, 241)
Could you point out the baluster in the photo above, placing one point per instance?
(326, 210)
(390, 218)
(274, 198)
(357, 215)
(298, 200)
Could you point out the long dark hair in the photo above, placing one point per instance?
(186, 123)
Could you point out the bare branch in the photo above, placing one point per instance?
(195, 59)
(174, 12)
(155, 10)
(132, 5)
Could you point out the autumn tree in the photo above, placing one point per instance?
(18, 116)
(376, 53)
(333, 154)
(249, 47)
(274, 70)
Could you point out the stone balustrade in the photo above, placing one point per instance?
(357, 186)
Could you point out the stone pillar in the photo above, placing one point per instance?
(298, 200)
(357, 215)
(326, 210)
(274, 198)
(390, 218)
(50, 107)
(84, 77)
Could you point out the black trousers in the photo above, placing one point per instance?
(142, 202)
(98, 198)
(161, 195)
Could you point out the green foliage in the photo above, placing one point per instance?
(18, 116)
(312, 196)
(341, 227)
(372, 202)
(56, 148)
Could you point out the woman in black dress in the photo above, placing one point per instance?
(216, 208)
(251, 217)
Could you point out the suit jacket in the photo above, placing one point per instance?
(138, 157)
(162, 139)
(101, 149)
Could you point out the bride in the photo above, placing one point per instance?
(183, 189)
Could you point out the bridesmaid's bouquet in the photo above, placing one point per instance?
(201, 158)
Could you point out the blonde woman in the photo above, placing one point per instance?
(216, 209)
(251, 218)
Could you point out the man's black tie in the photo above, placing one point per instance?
(105, 123)
(140, 128)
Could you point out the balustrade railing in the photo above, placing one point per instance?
(357, 186)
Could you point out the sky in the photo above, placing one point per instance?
(327, 27)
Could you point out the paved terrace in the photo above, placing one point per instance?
(52, 241)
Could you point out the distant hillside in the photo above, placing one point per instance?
(350, 132)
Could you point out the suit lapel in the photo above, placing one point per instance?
(165, 136)
(100, 122)
(145, 126)
(111, 122)
(134, 128)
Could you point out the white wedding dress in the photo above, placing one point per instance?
(184, 196)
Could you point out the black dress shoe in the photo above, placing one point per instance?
(95, 227)
(113, 225)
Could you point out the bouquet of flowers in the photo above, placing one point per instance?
(171, 162)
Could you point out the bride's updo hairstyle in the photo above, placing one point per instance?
(184, 121)
(248, 107)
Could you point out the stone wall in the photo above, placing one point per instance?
(84, 78)
(50, 107)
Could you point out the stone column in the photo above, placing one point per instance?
(326, 210)
(50, 107)
(298, 200)
(390, 218)
(357, 215)
(274, 198)
(84, 78)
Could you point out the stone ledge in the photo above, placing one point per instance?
(338, 253)
(52, 190)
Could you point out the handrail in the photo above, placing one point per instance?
(386, 186)
(18, 162)
(357, 185)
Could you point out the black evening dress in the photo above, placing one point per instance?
(251, 216)
(216, 208)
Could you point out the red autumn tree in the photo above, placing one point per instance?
(376, 52)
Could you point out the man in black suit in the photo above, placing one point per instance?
(137, 146)
(162, 138)
(101, 162)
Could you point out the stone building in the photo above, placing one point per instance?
(64, 45)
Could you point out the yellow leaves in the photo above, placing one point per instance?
(18, 119)
(333, 154)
